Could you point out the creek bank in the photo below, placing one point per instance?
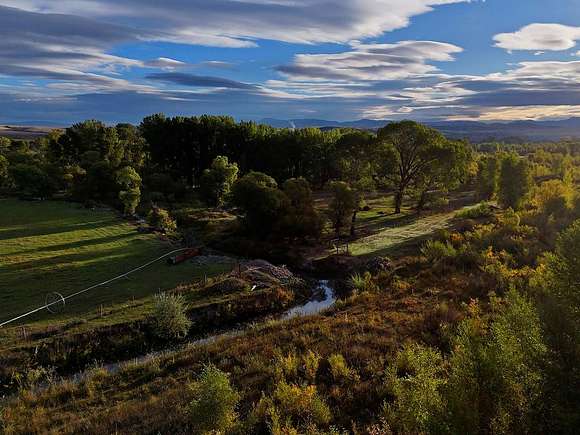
(253, 292)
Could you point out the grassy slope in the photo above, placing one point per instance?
(56, 246)
(381, 232)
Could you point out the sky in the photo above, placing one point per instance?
(63, 61)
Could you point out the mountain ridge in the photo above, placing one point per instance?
(475, 131)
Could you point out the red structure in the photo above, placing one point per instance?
(183, 256)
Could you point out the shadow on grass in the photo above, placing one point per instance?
(75, 245)
(6, 235)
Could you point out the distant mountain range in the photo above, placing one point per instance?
(477, 132)
(516, 131)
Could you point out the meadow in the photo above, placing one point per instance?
(53, 246)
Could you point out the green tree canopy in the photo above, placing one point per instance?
(409, 149)
(216, 182)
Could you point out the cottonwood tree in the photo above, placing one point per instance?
(301, 219)
(263, 204)
(344, 201)
(130, 184)
(355, 164)
(447, 170)
(408, 150)
(216, 182)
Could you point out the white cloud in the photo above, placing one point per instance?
(530, 113)
(165, 63)
(238, 23)
(371, 62)
(549, 37)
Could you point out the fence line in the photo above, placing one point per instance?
(48, 305)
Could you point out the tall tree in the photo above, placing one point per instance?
(344, 201)
(409, 148)
(216, 182)
(447, 170)
(488, 176)
(515, 181)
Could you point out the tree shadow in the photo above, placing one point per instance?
(75, 245)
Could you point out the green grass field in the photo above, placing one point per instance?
(60, 247)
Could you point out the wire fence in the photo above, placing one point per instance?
(62, 299)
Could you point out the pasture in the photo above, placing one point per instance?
(52, 246)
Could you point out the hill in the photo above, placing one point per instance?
(517, 131)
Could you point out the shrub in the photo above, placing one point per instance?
(338, 367)
(213, 408)
(302, 403)
(435, 251)
(311, 362)
(481, 210)
(161, 219)
(362, 283)
(286, 365)
(414, 380)
(169, 319)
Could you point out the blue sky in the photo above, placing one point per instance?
(120, 60)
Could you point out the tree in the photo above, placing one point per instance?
(355, 164)
(344, 202)
(301, 218)
(488, 177)
(5, 143)
(130, 193)
(213, 408)
(263, 204)
(216, 182)
(90, 135)
(409, 148)
(3, 170)
(515, 181)
(496, 370)
(447, 170)
(32, 180)
(557, 282)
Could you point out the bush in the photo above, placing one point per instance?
(161, 220)
(435, 251)
(311, 362)
(481, 210)
(338, 367)
(302, 403)
(414, 381)
(213, 408)
(362, 283)
(169, 319)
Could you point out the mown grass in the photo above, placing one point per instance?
(60, 247)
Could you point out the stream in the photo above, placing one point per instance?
(323, 298)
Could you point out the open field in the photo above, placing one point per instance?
(56, 246)
(381, 232)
